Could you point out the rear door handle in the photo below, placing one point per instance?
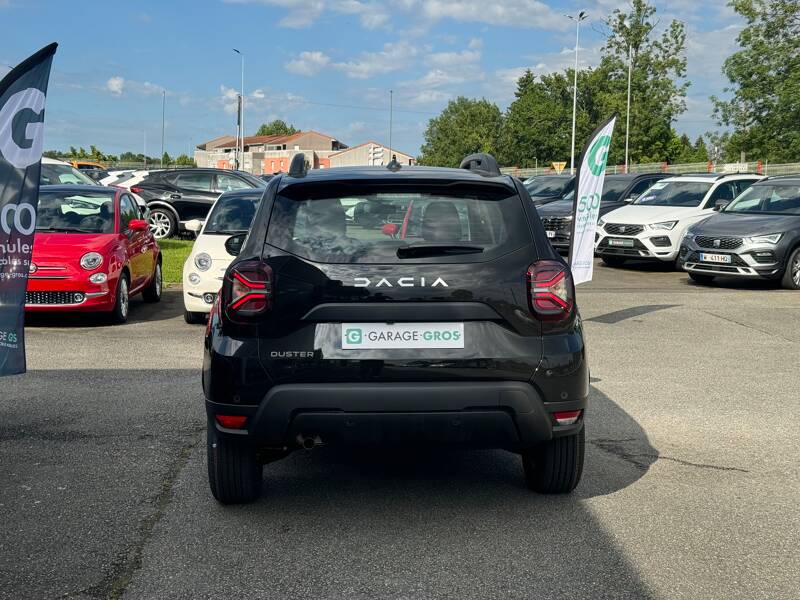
(175, 196)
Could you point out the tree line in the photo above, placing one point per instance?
(761, 116)
(95, 155)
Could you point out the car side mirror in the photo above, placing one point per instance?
(195, 225)
(631, 198)
(233, 245)
(721, 204)
(137, 225)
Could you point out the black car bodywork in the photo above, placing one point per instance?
(184, 194)
(618, 190)
(755, 236)
(278, 378)
(549, 188)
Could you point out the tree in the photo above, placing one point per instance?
(276, 127)
(464, 126)
(764, 111)
(166, 159)
(185, 161)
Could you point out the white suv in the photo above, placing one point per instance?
(652, 226)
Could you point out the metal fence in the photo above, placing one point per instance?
(762, 168)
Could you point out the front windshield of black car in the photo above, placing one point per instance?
(232, 214)
(54, 174)
(613, 189)
(85, 212)
(674, 193)
(768, 199)
(547, 186)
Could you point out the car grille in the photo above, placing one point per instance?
(54, 297)
(725, 243)
(623, 229)
(557, 223)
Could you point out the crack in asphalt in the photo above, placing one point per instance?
(643, 460)
(764, 331)
(116, 582)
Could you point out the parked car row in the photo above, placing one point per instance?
(710, 225)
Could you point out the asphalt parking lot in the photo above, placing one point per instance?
(690, 488)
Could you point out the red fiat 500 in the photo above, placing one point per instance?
(91, 252)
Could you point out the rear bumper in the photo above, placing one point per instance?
(506, 414)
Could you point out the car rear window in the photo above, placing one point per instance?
(369, 224)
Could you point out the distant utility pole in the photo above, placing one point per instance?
(577, 18)
(241, 107)
(628, 110)
(163, 109)
(144, 148)
(391, 115)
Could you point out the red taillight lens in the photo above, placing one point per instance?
(250, 285)
(231, 421)
(551, 291)
(136, 190)
(567, 417)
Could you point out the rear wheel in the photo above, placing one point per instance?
(791, 277)
(152, 293)
(194, 318)
(701, 279)
(613, 261)
(163, 223)
(234, 473)
(555, 467)
(119, 314)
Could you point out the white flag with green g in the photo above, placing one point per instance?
(586, 208)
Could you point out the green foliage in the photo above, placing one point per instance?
(185, 161)
(764, 111)
(166, 159)
(277, 127)
(465, 126)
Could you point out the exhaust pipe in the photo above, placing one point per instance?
(309, 442)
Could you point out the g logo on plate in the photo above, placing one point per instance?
(353, 336)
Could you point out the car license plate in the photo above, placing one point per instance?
(715, 258)
(623, 243)
(385, 336)
(551, 234)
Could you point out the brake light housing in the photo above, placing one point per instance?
(248, 289)
(551, 292)
(136, 189)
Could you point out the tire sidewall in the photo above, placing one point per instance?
(121, 310)
(173, 222)
(788, 282)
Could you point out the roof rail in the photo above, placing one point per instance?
(298, 168)
(482, 164)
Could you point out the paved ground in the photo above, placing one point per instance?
(690, 489)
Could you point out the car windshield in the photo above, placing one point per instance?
(548, 186)
(674, 193)
(382, 226)
(613, 189)
(768, 199)
(54, 174)
(85, 212)
(232, 214)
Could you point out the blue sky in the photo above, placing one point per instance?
(323, 65)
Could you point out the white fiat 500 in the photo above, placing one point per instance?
(205, 267)
(652, 226)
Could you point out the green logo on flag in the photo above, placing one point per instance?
(598, 155)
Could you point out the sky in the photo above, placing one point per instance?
(321, 65)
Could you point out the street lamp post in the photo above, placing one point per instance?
(577, 18)
(163, 108)
(628, 109)
(241, 110)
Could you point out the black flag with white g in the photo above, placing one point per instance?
(22, 96)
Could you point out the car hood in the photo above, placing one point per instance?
(746, 225)
(559, 208)
(213, 245)
(643, 214)
(64, 246)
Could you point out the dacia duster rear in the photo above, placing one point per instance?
(395, 306)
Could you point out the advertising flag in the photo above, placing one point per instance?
(22, 96)
(586, 208)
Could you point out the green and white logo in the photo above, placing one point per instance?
(598, 154)
(353, 336)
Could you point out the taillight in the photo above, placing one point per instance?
(136, 189)
(551, 292)
(567, 417)
(250, 288)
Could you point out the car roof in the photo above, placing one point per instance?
(780, 180)
(710, 177)
(406, 173)
(243, 192)
(79, 188)
(633, 176)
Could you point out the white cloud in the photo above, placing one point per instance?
(475, 44)
(453, 59)
(308, 63)
(393, 57)
(116, 85)
(430, 97)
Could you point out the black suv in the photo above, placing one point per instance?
(455, 325)
(179, 195)
(617, 191)
(549, 188)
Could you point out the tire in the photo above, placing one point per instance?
(152, 293)
(555, 467)
(234, 474)
(791, 276)
(194, 318)
(613, 261)
(701, 279)
(122, 301)
(163, 223)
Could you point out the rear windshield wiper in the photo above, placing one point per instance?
(421, 250)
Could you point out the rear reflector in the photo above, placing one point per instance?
(232, 421)
(136, 190)
(567, 417)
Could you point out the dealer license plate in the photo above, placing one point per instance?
(385, 336)
(715, 258)
(623, 243)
